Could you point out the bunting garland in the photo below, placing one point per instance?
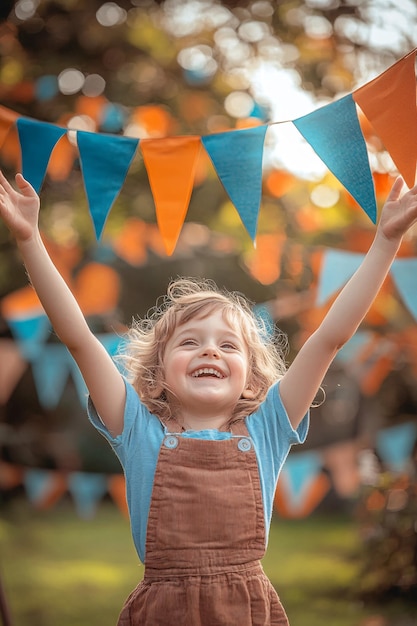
(52, 365)
(333, 131)
(306, 478)
(304, 482)
(388, 101)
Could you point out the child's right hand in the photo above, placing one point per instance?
(399, 212)
(19, 209)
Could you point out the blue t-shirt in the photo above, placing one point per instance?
(137, 448)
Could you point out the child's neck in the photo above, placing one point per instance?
(191, 422)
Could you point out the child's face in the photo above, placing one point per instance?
(206, 367)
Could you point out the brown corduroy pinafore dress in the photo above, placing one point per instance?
(205, 539)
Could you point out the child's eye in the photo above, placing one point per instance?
(188, 342)
(229, 346)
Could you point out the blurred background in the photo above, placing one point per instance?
(343, 544)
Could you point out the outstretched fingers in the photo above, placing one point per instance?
(24, 186)
(396, 190)
(408, 205)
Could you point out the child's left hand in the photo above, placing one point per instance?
(399, 212)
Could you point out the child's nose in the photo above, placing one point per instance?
(211, 350)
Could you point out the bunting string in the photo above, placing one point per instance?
(53, 366)
(306, 478)
(333, 131)
(335, 134)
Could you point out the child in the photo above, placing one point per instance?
(204, 428)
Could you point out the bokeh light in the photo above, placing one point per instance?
(70, 81)
(324, 196)
(94, 85)
(111, 14)
(25, 9)
(239, 104)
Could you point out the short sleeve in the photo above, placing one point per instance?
(137, 420)
(273, 436)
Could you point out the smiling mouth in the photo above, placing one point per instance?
(205, 372)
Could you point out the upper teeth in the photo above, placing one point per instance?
(207, 370)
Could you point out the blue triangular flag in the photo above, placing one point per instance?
(50, 372)
(87, 489)
(38, 483)
(237, 157)
(333, 131)
(404, 272)
(37, 140)
(337, 268)
(355, 344)
(30, 334)
(105, 161)
(300, 470)
(395, 445)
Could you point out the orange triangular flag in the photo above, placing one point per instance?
(171, 163)
(20, 303)
(7, 119)
(97, 289)
(389, 103)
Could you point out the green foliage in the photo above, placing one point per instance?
(387, 515)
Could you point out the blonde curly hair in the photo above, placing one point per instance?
(187, 298)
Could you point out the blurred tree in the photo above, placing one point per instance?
(151, 69)
(148, 69)
(386, 512)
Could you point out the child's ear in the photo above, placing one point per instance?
(248, 394)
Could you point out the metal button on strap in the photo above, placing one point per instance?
(244, 444)
(170, 441)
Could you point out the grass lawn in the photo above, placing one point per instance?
(59, 570)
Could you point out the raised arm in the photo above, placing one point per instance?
(305, 375)
(20, 211)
